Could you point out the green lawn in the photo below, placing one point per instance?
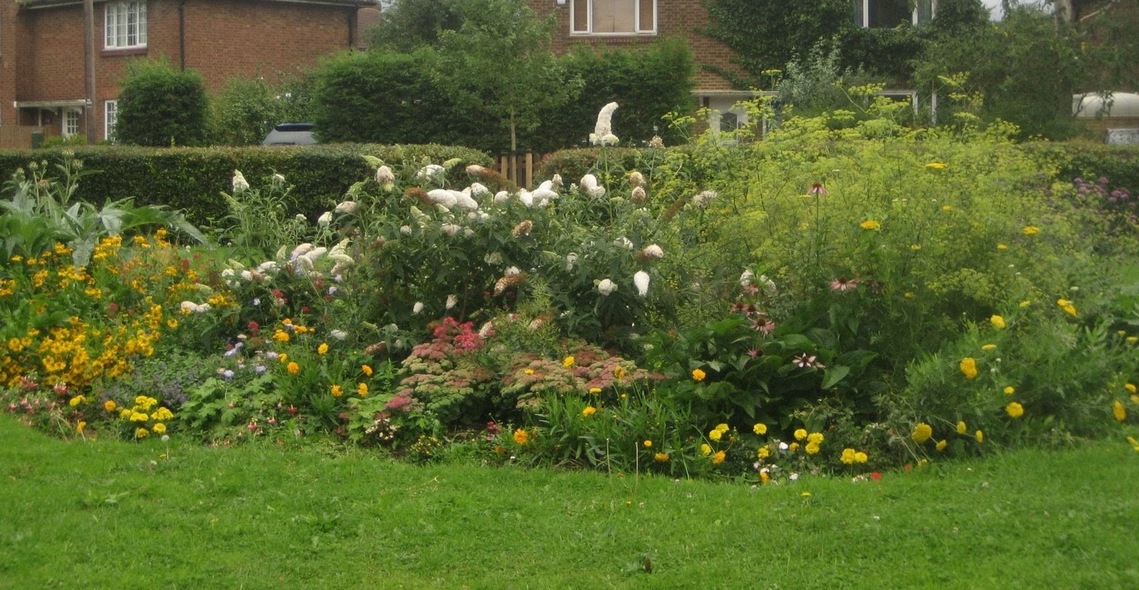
(117, 515)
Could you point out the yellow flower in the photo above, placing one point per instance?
(936, 166)
(283, 358)
(998, 322)
(760, 428)
(861, 457)
(1130, 387)
(281, 336)
(870, 225)
(567, 362)
(362, 389)
(141, 433)
(1067, 307)
(764, 477)
(815, 437)
(941, 444)
(715, 435)
(1031, 230)
(367, 369)
(800, 434)
(962, 428)
(722, 427)
(793, 447)
(921, 432)
(719, 457)
(698, 375)
(988, 347)
(594, 390)
(75, 401)
(521, 436)
(1014, 410)
(1119, 411)
(968, 367)
(1002, 247)
(159, 428)
(812, 448)
(847, 456)
(661, 457)
(915, 247)
(109, 405)
(80, 427)
(293, 368)
(980, 436)
(1132, 339)
(619, 373)
(588, 411)
(1009, 390)
(322, 349)
(529, 371)
(336, 390)
(705, 449)
(648, 444)
(763, 452)
(163, 414)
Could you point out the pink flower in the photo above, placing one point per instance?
(806, 361)
(762, 324)
(816, 189)
(844, 284)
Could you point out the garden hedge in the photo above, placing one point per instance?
(192, 179)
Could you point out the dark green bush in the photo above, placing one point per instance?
(192, 179)
(161, 106)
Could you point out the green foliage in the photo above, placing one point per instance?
(245, 111)
(410, 24)
(160, 106)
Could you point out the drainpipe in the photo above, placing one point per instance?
(182, 35)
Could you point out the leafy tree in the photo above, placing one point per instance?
(245, 111)
(409, 24)
(161, 106)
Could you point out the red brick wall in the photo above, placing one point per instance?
(675, 18)
(41, 50)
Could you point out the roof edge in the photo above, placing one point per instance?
(33, 4)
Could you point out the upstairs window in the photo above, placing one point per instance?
(887, 14)
(124, 25)
(613, 17)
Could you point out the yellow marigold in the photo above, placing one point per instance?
(293, 368)
(1014, 410)
(661, 457)
(800, 434)
(1009, 390)
(715, 434)
(968, 367)
(521, 436)
(764, 477)
(698, 375)
(870, 225)
(980, 436)
(719, 457)
(80, 427)
(1119, 411)
(322, 349)
(362, 389)
(125, 414)
(722, 427)
(705, 449)
(110, 405)
(861, 457)
(941, 444)
(812, 448)
(588, 411)
(141, 433)
(921, 432)
(595, 390)
(962, 428)
(75, 401)
(998, 322)
(159, 428)
(648, 444)
(760, 428)
(793, 447)
(815, 437)
(763, 453)
(283, 358)
(847, 456)
(367, 369)
(1031, 230)
(281, 336)
(163, 414)
(336, 390)
(568, 362)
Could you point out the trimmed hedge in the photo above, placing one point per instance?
(192, 179)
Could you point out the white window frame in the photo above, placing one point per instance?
(587, 31)
(69, 122)
(864, 6)
(124, 24)
(110, 118)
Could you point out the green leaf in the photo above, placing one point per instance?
(833, 375)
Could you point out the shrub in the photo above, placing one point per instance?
(160, 106)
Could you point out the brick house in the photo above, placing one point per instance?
(42, 65)
(627, 23)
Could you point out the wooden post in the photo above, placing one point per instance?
(89, 66)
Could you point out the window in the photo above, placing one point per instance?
(887, 14)
(125, 25)
(613, 17)
(110, 117)
(70, 122)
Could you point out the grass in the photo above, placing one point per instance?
(107, 514)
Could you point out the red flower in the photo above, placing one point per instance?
(876, 476)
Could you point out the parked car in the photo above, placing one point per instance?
(290, 134)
